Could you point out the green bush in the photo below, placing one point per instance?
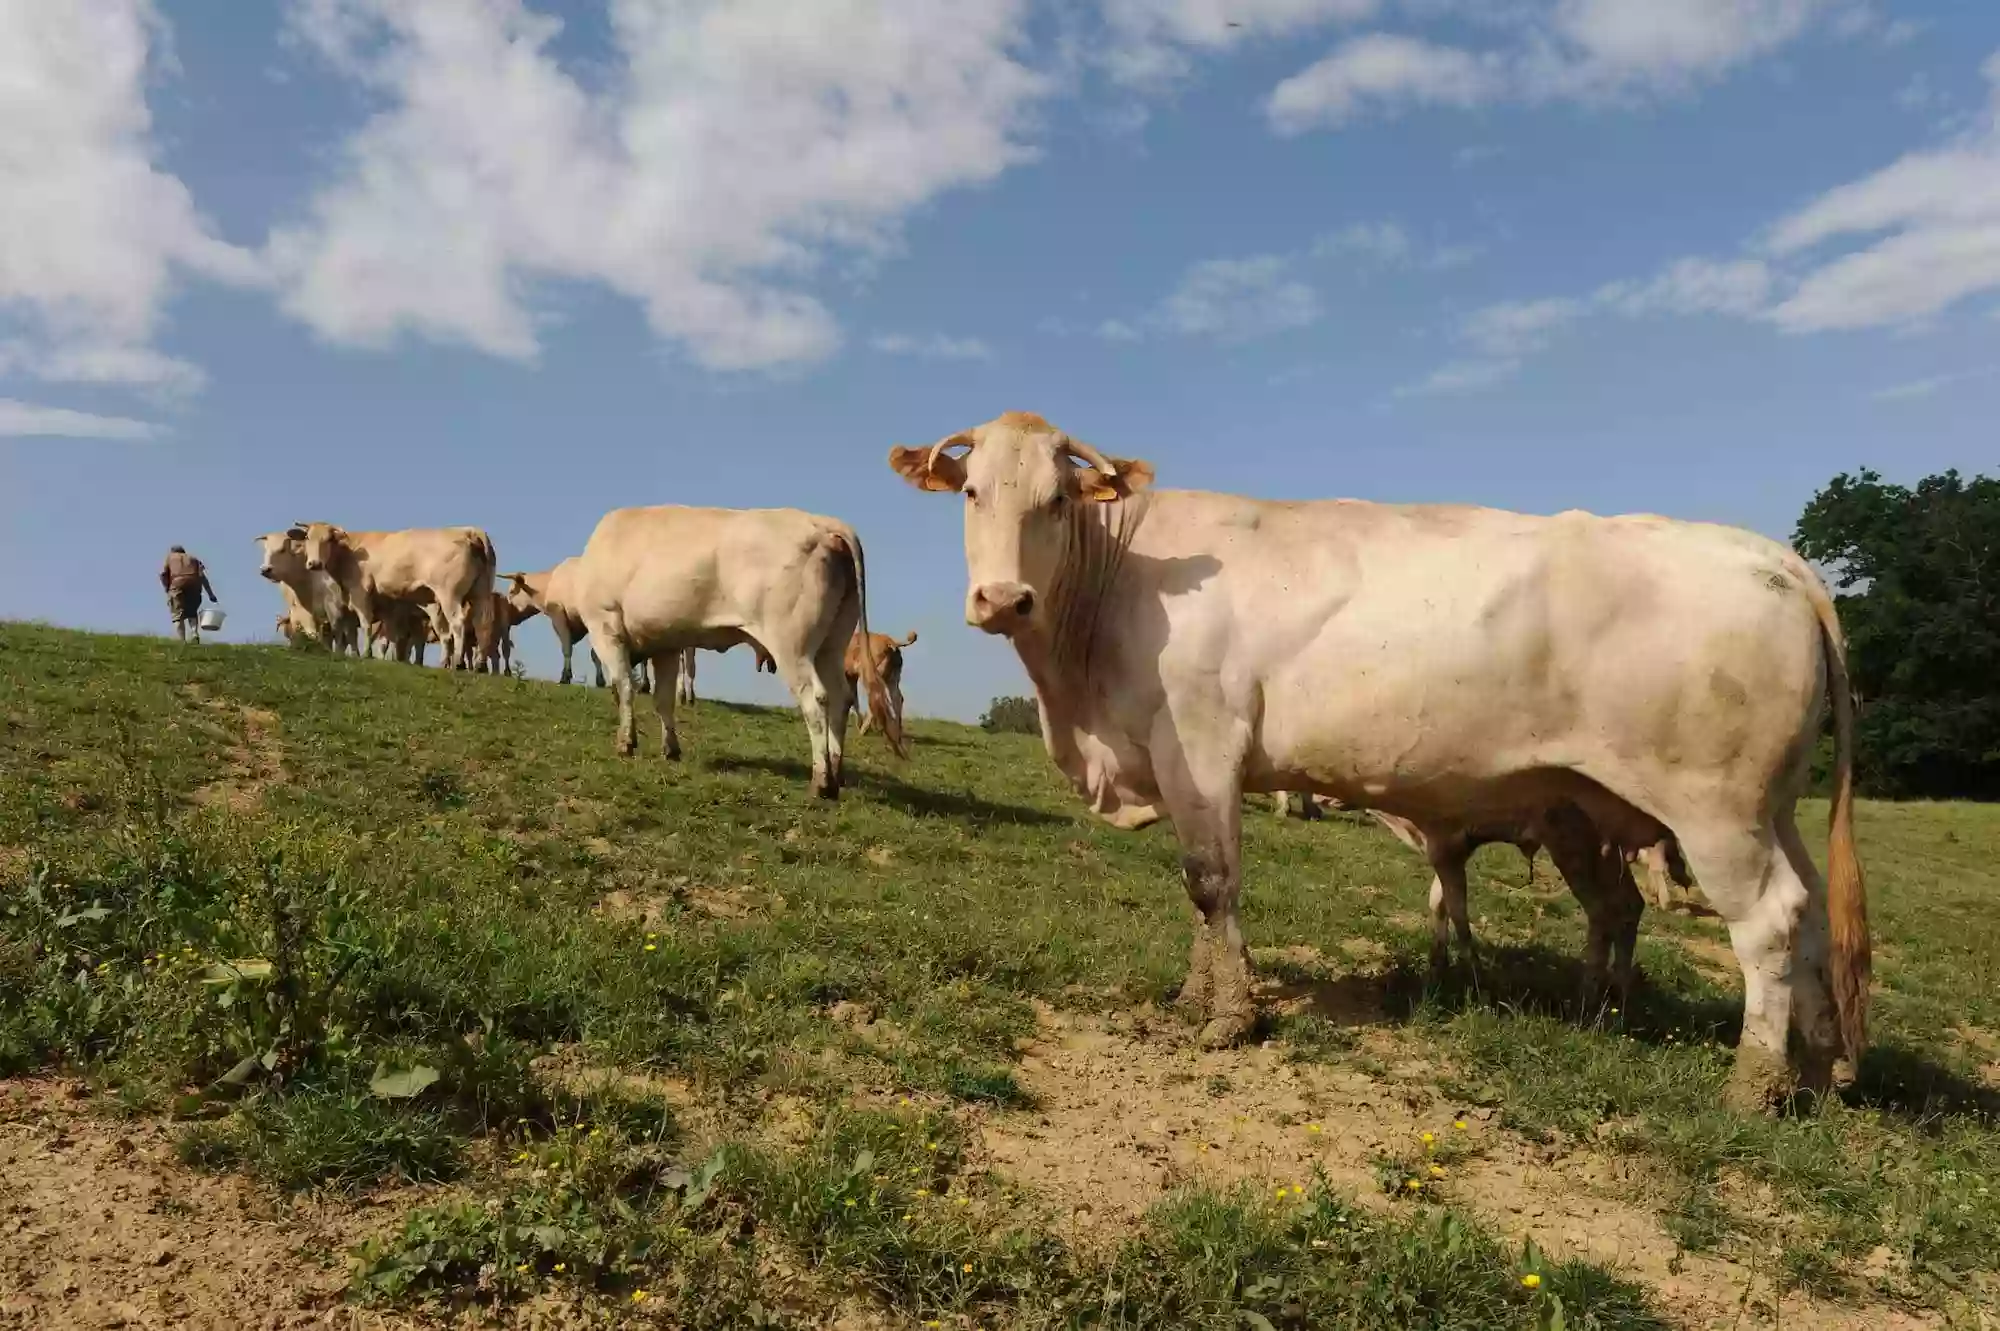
(1013, 716)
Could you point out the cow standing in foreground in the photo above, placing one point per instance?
(1450, 665)
(449, 567)
(654, 581)
(887, 654)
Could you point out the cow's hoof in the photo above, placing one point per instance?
(624, 750)
(671, 752)
(1759, 1083)
(1223, 1032)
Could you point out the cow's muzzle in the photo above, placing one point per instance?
(267, 574)
(1000, 607)
(315, 565)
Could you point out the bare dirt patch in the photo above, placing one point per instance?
(256, 762)
(1128, 1109)
(649, 908)
(101, 1227)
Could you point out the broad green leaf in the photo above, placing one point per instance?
(400, 1083)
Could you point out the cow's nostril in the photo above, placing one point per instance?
(1024, 604)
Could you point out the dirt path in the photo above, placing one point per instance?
(1127, 1109)
(101, 1227)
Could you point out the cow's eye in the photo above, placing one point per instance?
(1058, 501)
(970, 494)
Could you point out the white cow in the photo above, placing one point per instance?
(448, 567)
(1450, 665)
(654, 581)
(312, 597)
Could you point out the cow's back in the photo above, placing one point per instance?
(710, 567)
(1413, 647)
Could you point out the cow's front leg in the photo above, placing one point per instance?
(1214, 888)
(1198, 987)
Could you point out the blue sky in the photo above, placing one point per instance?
(477, 261)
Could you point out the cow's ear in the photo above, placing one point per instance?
(931, 468)
(1128, 477)
(297, 533)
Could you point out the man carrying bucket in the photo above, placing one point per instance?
(185, 579)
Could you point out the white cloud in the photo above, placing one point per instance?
(738, 144)
(93, 235)
(1234, 300)
(1150, 40)
(1387, 245)
(1117, 330)
(1615, 44)
(1694, 286)
(1574, 50)
(1927, 229)
(1383, 72)
(26, 419)
(935, 346)
(1923, 388)
(1513, 329)
(1462, 376)
(1383, 242)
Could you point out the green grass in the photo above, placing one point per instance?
(453, 875)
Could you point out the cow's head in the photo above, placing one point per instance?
(320, 540)
(1023, 482)
(524, 599)
(283, 555)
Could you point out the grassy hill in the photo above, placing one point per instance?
(675, 1043)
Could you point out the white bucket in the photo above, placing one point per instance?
(211, 619)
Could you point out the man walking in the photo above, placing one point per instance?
(185, 579)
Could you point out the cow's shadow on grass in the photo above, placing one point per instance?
(1898, 1080)
(918, 801)
(1529, 979)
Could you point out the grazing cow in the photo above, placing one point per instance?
(1451, 665)
(310, 594)
(653, 581)
(888, 658)
(549, 593)
(452, 567)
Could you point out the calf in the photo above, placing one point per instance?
(887, 655)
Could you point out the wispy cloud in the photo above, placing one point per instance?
(1227, 300)
(26, 419)
(1923, 388)
(933, 346)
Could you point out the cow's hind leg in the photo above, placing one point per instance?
(1764, 900)
(663, 703)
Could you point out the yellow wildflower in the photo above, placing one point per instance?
(640, 1296)
(1312, 1127)
(652, 947)
(967, 1268)
(1412, 1184)
(930, 1146)
(1459, 1124)
(1437, 1171)
(1429, 1137)
(923, 1192)
(850, 1201)
(560, 1268)
(1531, 1280)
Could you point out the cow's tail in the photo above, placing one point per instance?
(879, 701)
(1846, 895)
(907, 641)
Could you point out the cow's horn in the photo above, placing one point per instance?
(962, 437)
(1090, 455)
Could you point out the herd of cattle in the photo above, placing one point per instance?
(395, 593)
(1619, 690)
